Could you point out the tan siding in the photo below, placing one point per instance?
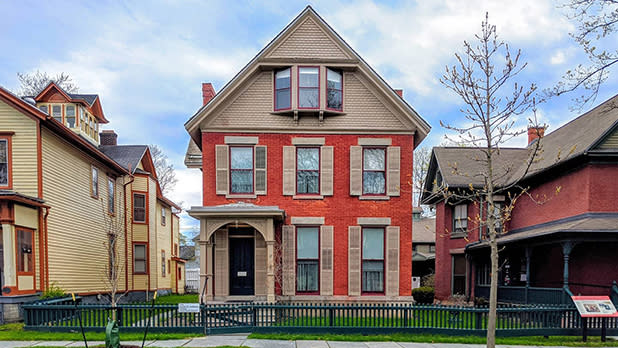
(26, 217)
(140, 233)
(155, 250)
(76, 223)
(252, 107)
(308, 41)
(24, 144)
(164, 242)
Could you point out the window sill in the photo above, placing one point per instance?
(374, 198)
(458, 235)
(240, 196)
(307, 197)
(291, 112)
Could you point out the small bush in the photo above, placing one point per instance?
(423, 295)
(428, 280)
(52, 292)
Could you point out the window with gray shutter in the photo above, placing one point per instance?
(326, 264)
(260, 170)
(222, 169)
(288, 242)
(392, 261)
(354, 261)
(356, 170)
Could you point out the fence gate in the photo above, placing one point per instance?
(229, 318)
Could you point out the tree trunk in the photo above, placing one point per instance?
(493, 293)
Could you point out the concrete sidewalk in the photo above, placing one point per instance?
(242, 340)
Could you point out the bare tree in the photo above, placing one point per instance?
(114, 226)
(31, 84)
(597, 23)
(422, 156)
(484, 78)
(165, 169)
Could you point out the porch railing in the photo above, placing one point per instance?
(522, 294)
(316, 318)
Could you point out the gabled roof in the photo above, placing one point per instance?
(424, 230)
(128, 156)
(88, 98)
(460, 166)
(92, 101)
(417, 124)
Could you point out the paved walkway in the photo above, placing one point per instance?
(242, 340)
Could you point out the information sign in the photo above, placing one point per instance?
(595, 306)
(188, 308)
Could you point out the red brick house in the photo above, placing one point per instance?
(306, 156)
(562, 237)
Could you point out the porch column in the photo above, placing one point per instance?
(206, 267)
(567, 247)
(270, 255)
(10, 264)
(528, 251)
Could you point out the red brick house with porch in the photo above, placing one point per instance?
(306, 156)
(566, 243)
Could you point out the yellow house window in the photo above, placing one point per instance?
(24, 251)
(163, 216)
(111, 195)
(70, 116)
(57, 112)
(163, 263)
(94, 188)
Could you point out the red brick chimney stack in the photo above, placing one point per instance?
(399, 92)
(535, 133)
(208, 92)
(108, 137)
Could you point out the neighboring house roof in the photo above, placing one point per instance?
(90, 100)
(193, 156)
(411, 120)
(128, 156)
(460, 167)
(424, 231)
(602, 223)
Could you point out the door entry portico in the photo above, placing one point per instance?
(242, 266)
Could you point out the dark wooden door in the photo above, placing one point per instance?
(241, 266)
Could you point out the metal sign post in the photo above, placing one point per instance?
(149, 317)
(79, 318)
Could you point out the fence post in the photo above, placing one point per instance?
(406, 312)
(331, 316)
(253, 316)
(119, 314)
(478, 322)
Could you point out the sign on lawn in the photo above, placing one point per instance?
(188, 308)
(595, 306)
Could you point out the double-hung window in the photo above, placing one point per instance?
(374, 171)
(498, 216)
(458, 281)
(70, 116)
(283, 95)
(139, 207)
(24, 251)
(308, 87)
(43, 108)
(5, 162)
(307, 259)
(460, 219)
(139, 258)
(163, 263)
(163, 216)
(373, 260)
(241, 169)
(94, 180)
(334, 90)
(57, 112)
(111, 195)
(308, 170)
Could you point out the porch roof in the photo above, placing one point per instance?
(419, 256)
(598, 223)
(237, 209)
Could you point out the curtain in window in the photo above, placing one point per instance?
(307, 275)
(308, 87)
(308, 170)
(4, 163)
(24, 250)
(374, 178)
(241, 169)
(373, 276)
(461, 218)
(334, 89)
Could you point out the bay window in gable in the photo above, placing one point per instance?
(308, 87)
(57, 112)
(283, 92)
(334, 90)
(70, 116)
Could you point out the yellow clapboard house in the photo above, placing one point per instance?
(65, 188)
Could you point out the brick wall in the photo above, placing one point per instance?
(339, 210)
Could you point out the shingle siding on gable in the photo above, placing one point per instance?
(308, 41)
(253, 108)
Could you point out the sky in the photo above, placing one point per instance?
(147, 60)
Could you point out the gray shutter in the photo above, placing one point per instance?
(392, 261)
(356, 170)
(289, 260)
(326, 171)
(393, 174)
(326, 261)
(260, 170)
(354, 261)
(289, 170)
(222, 167)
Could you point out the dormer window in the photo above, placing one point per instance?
(43, 108)
(334, 90)
(283, 95)
(308, 87)
(57, 112)
(70, 116)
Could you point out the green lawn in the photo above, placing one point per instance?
(16, 332)
(175, 299)
(571, 341)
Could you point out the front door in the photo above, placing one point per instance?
(241, 266)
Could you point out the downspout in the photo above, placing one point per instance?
(46, 248)
(126, 248)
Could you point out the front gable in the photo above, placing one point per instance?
(308, 40)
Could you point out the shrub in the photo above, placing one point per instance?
(423, 295)
(52, 292)
(428, 280)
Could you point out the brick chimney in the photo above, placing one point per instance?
(108, 137)
(208, 92)
(399, 92)
(534, 133)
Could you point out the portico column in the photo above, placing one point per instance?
(206, 267)
(270, 255)
(8, 242)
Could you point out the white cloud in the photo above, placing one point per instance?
(557, 58)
